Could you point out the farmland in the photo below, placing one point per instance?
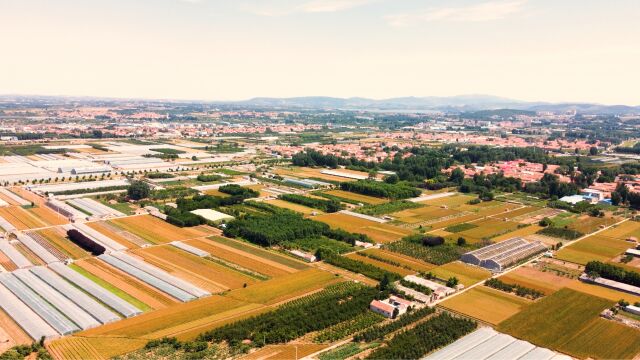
(295, 207)
(568, 321)
(237, 290)
(21, 218)
(188, 320)
(383, 233)
(259, 251)
(372, 260)
(58, 238)
(403, 260)
(486, 304)
(535, 279)
(134, 290)
(600, 247)
(245, 259)
(155, 230)
(467, 274)
(365, 199)
(198, 271)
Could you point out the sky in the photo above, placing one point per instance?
(534, 50)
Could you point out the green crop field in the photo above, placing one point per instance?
(569, 321)
(597, 247)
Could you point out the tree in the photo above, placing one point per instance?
(384, 283)
(452, 282)
(457, 175)
(616, 199)
(391, 179)
(545, 222)
(593, 151)
(462, 241)
(138, 190)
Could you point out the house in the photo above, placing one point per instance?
(391, 307)
(593, 195)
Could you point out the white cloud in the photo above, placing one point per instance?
(487, 11)
(282, 8)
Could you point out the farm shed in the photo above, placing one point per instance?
(11, 195)
(65, 209)
(36, 248)
(64, 305)
(96, 290)
(343, 174)
(28, 320)
(97, 310)
(6, 225)
(107, 242)
(39, 305)
(486, 343)
(616, 285)
(212, 215)
(14, 255)
(147, 278)
(190, 249)
(161, 274)
(94, 208)
(497, 257)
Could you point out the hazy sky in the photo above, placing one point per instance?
(552, 50)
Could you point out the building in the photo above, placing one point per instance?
(616, 285)
(212, 215)
(632, 252)
(439, 291)
(574, 199)
(306, 256)
(497, 257)
(391, 307)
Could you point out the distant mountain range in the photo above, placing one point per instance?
(462, 103)
(447, 104)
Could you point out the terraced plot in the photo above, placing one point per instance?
(132, 287)
(47, 215)
(488, 228)
(466, 274)
(423, 214)
(11, 333)
(597, 247)
(258, 251)
(198, 271)
(284, 287)
(357, 197)
(382, 233)
(246, 260)
(532, 278)
(380, 264)
(486, 304)
(59, 239)
(155, 230)
(404, 261)
(522, 232)
(450, 201)
(113, 232)
(20, 218)
(276, 352)
(295, 207)
(569, 321)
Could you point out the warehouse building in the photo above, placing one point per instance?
(497, 257)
